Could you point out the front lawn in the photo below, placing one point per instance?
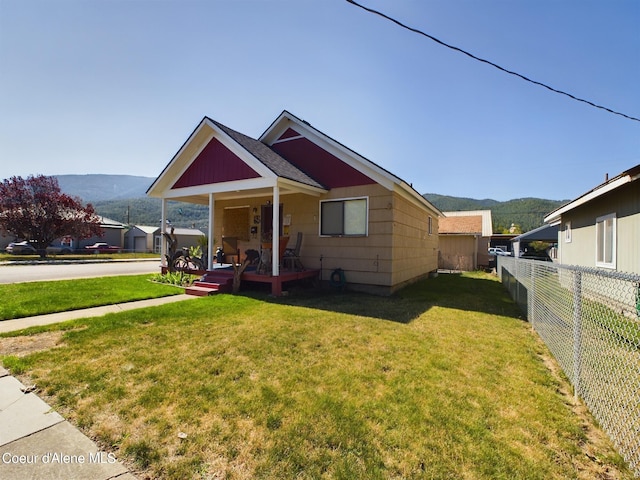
(441, 381)
(39, 298)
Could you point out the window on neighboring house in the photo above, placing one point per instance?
(430, 225)
(567, 232)
(606, 241)
(345, 217)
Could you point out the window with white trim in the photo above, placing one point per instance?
(430, 227)
(606, 241)
(344, 217)
(567, 232)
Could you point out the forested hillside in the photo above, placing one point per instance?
(123, 198)
(146, 211)
(91, 188)
(528, 213)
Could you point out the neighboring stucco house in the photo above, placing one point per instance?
(464, 240)
(602, 227)
(353, 214)
(144, 238)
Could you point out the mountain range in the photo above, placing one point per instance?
(94, 188)
(123, 198)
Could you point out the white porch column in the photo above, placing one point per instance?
(275, 241)
(163, 228)
(210, 233)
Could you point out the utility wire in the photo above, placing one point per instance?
(419, 32)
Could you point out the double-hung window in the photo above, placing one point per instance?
(344, 217)
(606, 241)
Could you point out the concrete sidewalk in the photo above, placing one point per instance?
(35, 441)
(20, 323)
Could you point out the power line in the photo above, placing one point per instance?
(420, 32)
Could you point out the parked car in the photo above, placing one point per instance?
(498, 251)
(26, 248)
(102, 247)
(20, 248)
(59, 250)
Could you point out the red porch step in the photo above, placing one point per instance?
(211, 284)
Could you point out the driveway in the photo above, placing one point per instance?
(65, 271)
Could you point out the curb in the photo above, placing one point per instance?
(78, 262)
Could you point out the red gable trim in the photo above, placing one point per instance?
(215, 164)
(290, 133)
(319, 164)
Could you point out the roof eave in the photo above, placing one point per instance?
(613, 184)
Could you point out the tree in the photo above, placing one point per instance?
(35, 209)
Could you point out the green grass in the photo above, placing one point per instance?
(441, 381)
(39, 298)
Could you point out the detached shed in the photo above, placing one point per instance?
(464, 240)
(142, 238)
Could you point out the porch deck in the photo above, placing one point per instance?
(220, 279)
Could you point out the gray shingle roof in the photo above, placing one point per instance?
(265, 155)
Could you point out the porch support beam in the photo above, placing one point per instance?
(210, 232)
(275, 241)
(163, 227)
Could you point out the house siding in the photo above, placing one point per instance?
(365, 259)
(625, 203)
(415, 251)
(457, 252)
(396, 250)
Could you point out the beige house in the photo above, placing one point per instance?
(602, 227)
(464, 240)
(353, 215)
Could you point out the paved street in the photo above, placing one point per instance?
(63, 271)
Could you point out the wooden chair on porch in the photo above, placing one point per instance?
(291, 258)
(265, 254)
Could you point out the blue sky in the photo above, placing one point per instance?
(117, 86)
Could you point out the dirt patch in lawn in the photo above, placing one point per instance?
(21, 346)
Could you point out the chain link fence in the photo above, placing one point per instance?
(590, 321)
